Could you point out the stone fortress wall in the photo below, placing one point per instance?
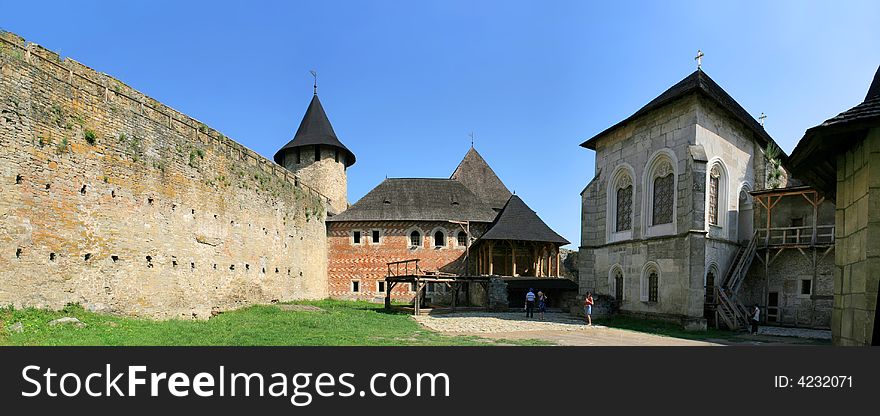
(117, 202)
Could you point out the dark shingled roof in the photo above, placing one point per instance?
(700, 83)
(518, 222)
(475, 173)
(315, 129)
(813, 158)
(418, 199)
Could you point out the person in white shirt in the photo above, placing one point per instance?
(530, 304)
(756, 317)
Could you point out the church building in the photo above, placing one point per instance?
(692, 215)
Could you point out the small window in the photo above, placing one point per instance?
(653, 286)
(298, 155)
(380, 287)
(806, 287)
(355, 286)
(439, 239)
(415, 239)
(356, 237)
(317, 153)
(412, 287)
(462, 238)
(375, 237)
(797, 222)
(336, 155)
(430, 287)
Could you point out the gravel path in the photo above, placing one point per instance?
(562, 329)
(487, 322)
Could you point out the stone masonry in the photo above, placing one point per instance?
(115, 201)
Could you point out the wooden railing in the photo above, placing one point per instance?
(796, 236)
(409, 268)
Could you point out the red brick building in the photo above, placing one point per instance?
(441, 222)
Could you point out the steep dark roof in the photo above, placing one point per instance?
(813, 158)
(474, 173)
(700, 83)
(518, 222)
(315, 128)
(418, 199)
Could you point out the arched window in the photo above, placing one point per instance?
(618, 285)
(623, 203)
(615, 280)
(650, 283)
(439, 239)
(663, 197)
(462, 239)
(415, 239)
(660, 194)
(621, 191)
(710, 286)
(653, 286)
(714, 179)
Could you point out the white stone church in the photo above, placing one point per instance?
(689, 219)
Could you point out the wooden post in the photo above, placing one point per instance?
(491, 259)
(417, 302)
(513, 258)
(558, 260)
(454, 295)
(387, 296)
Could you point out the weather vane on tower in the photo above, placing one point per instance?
(315, 75)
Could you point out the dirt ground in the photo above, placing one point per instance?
(562, 329)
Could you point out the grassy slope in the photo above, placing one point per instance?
(341, 323)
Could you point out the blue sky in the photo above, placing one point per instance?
(404, 83)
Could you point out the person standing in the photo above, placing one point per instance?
(588, 308)
(756, 317)
(542, 303)
(530, 304)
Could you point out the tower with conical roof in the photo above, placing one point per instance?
(317, 157)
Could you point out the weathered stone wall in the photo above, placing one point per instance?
(857, 246)
(366, 262)
(113, 200)
(327, 175)
(672, 127)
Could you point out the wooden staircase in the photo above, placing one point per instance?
(729, 308)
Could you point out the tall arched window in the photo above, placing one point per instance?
(461, 239)
(663, 197)
(439, 239)
(621, 192)
(623, 204)
(415, 239)
(714, 179)
(659, 207)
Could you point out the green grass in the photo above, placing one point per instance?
(340, 323)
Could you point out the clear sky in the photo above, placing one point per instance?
(405, 82)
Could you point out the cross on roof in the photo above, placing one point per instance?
(472, 138)
(699, 58)
(762, 118)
